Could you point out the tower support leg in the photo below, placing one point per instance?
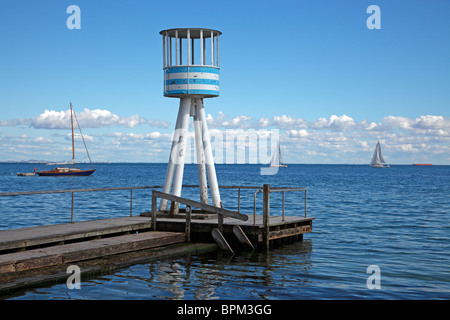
(180, 155)
(171, 166)
(175, 169)
(214, 187)
(200, 155)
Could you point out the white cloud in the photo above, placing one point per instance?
(39, 139)
(77, 136)
(335, 123)
(264, 122)
(298, 133)
(51, 119)
(288, 122)
(333, 139)
(431, 122)
(215, 122)
(241, 121)
(154, 135)
(408, 147)
(364, 145)
(429, 125)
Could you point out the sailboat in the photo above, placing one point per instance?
(377, 158)
(277, 159)
(67, 171)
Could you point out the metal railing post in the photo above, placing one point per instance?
(266, 214)
(254, 208)
(239, 200)
(220, 221)
(154, 204)
(71, 215)
(131, 202)
(305, 203)
(188, 224)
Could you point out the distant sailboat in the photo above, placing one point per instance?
(66, 171)
(277, 159)
(377, 158)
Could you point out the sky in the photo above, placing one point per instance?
(312, 71)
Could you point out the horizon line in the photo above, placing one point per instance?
(257, 164)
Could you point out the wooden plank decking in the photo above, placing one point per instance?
(35, 247)
(50, 234)
(68, 253)
(27, 251)
(42, 246)
(254, 228)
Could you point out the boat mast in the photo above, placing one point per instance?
(73, 143)
(81, 133)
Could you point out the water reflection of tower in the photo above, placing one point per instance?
(191, 73)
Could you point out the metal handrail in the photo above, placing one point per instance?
(257, 188)
(199, 205)
(191, 203)
(21, 193)
(277, 189)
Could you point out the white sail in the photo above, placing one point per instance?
(277, 159)
(377, 158)
(280, 157)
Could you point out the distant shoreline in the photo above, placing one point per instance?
(219, 164)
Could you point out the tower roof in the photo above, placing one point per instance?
(194, 32)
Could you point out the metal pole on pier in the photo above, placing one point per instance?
(266, 214)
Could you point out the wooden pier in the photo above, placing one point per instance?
(35, 248)
(289, 228)
(261, 230)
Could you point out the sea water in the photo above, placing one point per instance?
(396, 219)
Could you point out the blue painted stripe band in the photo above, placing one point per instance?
(192, 81)
(209, 92)
(192, 69)
(204, 92)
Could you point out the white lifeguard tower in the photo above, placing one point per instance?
(191, 73)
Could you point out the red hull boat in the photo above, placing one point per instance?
(66, 171)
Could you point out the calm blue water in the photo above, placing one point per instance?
(397, 219)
